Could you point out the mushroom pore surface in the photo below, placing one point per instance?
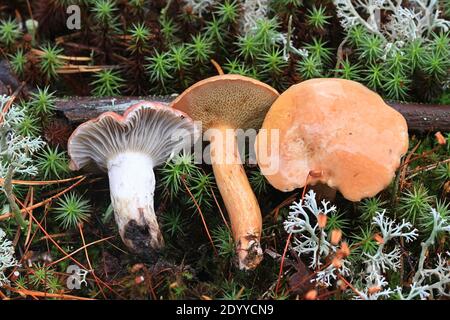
(338, 128)
(231, 100)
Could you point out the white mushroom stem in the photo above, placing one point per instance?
(132, 187)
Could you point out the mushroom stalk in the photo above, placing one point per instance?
(132, 186)
(238, 196)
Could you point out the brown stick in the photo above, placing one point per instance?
(424, 117)
(81, 109)
(26, 292)
(420, 117)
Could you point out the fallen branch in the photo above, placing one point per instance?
(424, 117)
(420, 117)
(69, 68)
(40, 183)
(81, 109)
(430, 167)
(62, 57)
(84, 247)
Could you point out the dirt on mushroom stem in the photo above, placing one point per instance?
(224, 104)
(128, 147)
(129, 174)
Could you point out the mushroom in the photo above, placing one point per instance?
(331, 131)
(128, 147)
(223, 104)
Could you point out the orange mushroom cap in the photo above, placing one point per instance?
(336, 127)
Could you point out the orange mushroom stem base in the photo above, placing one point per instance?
(238, 196)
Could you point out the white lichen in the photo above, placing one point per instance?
(16, 150)
(253, 11)
(309, 238)
(440, 225)
(16, 153)
(382, 261)
(440, 273)
(438, 282)
(311, 241)
(256, 11)
(329, 275)
(288, 47)
(199, 7)
(375, 288)
(406, 22)
(7, 259)
(425, 282)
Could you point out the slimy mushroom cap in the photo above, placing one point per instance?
(338, 129)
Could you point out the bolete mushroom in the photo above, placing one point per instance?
(335, 132)
(223, 104)
(128, 147)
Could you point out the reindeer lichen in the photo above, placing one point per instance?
(7, 259)
(16, 152)
(405, 23)
(371, 283)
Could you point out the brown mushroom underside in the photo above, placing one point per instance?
(336, 127)
(231, 100)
